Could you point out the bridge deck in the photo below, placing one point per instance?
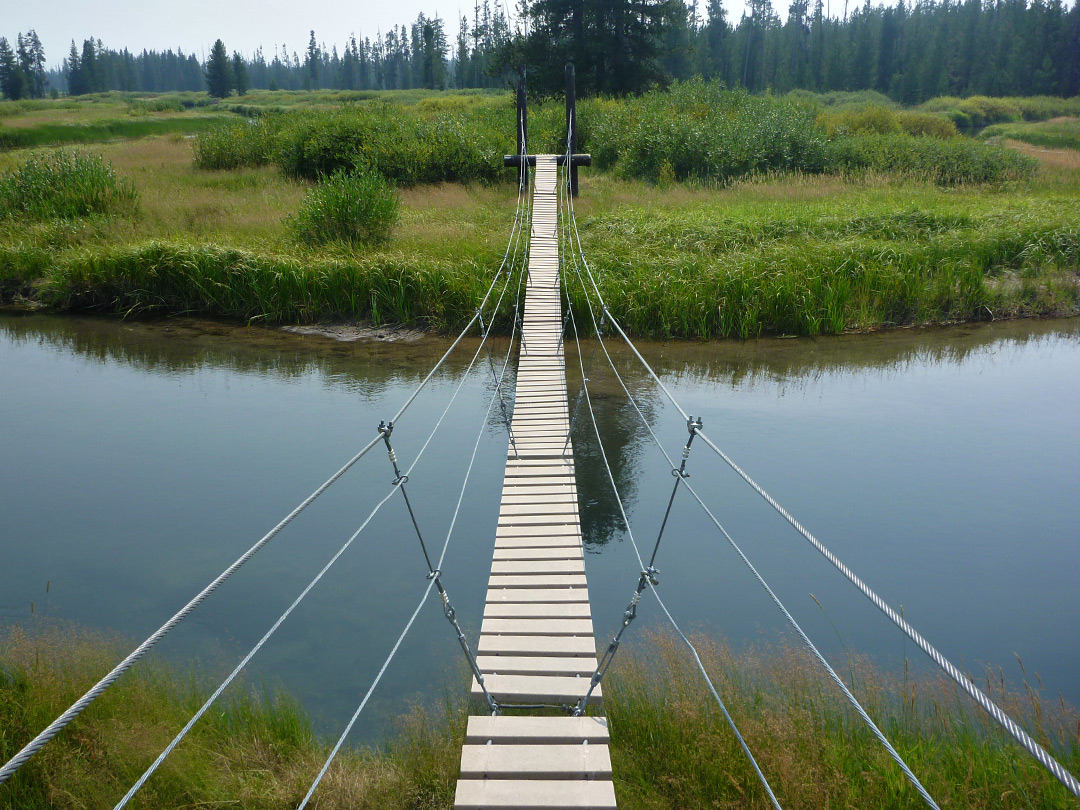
(536, 642)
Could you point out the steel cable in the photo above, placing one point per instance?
(243, 663)
(964, 682)
(73, 711)
(423, 600)
(641, 562)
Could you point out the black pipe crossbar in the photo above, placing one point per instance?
(575, 160)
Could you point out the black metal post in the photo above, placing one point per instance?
(522, 127)
(571, 125)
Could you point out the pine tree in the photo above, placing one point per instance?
(240, 74)
(11, 78)
(219, 79)
(311, 64)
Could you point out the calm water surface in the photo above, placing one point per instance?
(140, 459)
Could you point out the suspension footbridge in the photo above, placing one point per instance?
(538, 737)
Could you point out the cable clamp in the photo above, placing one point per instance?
(651, 574)
(436, 573)
(401, 479)
(693, 424)
(385, 429)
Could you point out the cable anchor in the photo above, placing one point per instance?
(647, 576)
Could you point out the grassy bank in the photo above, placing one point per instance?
(706, 214)
(670, 747)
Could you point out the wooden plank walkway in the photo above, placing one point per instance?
(536, 642)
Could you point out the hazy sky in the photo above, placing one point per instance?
(193, 25)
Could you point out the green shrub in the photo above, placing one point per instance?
(853, 121)
(948, 162)
(882, 120)
(139, 106)
(356, 208)
(702, 131)
(926, 124)
(63, 185)
(404, 146)
(236, 145)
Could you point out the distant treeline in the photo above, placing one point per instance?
(909, 51)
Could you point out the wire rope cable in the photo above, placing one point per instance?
(637, 552)
(423, 600)
(780, 605)
(76, 708)
(967, 684)
(247, 658)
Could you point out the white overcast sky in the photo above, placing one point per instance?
(193, 25)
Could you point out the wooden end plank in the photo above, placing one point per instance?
(550, 794)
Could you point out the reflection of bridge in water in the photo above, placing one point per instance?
(542, 740)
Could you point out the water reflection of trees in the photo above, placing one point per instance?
(369, 367)
(184, 346)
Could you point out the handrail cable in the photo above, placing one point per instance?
(967, 684)
(681, 477)
(76, 708)
(394, 487)
(427, 592)
(649, 579)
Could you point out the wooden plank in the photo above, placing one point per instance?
(536, 531)
(552, 665)
(535, 762)
(523, 730)
(566, 518)
(537, 627)
(558, 689)
(508, 595)
(538, 610)
(536, 581)
(568, 646)
(541, 566)
(568, 552)
(514, 794)
(556, 541)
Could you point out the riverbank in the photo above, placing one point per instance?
(670, 747)
(801, 255)
(786, 254)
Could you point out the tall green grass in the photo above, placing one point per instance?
(692, 131)
(671, 748)
(948, 162)
(64, 185)
(256, 749)
(356, 207)
(1061, 134)
(50, 134)
(817, 270)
